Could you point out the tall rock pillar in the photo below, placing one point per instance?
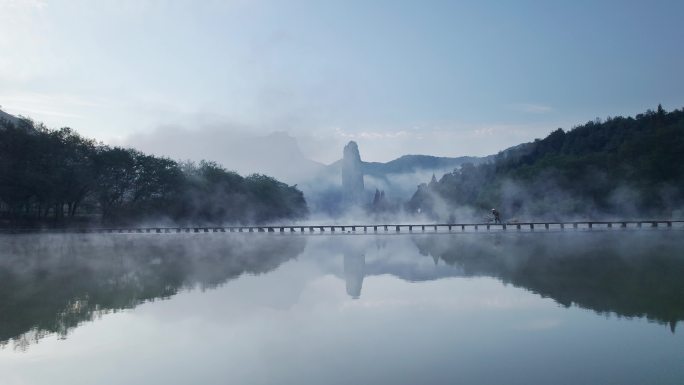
(352, 174)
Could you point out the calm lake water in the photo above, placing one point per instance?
(545, 308)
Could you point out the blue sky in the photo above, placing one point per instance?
(439, 77)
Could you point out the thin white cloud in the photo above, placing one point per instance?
(9, 5)
(530, 108)
(372, 135)
(439, 139)
(501, 130)
(44, 114)
(48, 108)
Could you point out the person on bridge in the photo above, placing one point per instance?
(497, 216)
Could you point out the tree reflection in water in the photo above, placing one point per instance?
(52, 283)
(628, 274)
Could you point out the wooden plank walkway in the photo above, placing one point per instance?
(381, 228)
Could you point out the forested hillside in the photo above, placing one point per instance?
(59, 177)
(620, 167)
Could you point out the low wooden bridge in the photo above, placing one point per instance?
(385, 228)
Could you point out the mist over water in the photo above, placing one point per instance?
(396, 308)
(322, 193)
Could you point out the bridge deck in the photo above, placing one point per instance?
(383, 228)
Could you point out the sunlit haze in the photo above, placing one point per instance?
(310, 192)
(399, 77)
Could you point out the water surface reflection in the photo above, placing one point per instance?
(52, 284)
(557, 308)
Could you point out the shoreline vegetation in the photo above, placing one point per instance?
(624, 168)
(57, 178)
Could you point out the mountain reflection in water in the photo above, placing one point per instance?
(52, 283)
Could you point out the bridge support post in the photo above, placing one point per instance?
(654, 224)
(562, 226)
(546, 226)
(503, 226)
(375, 229)
(475, 227)
(591, 225)
(397, 229)
(669, 223)
(422, 228)
(532, 226)
(610, 225)
(410, 228)
(462, 227)
(487, 227)
(385, 228)
(449, 228)
(517, 226)
(574, 226)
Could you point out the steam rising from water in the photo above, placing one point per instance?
(54, 283)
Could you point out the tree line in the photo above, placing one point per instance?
(59, 177)
(620, 167)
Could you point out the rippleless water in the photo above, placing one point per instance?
(387, 309)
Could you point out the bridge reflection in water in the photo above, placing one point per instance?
(52, 283)
(635, 276)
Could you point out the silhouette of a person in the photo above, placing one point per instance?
(497, 216)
